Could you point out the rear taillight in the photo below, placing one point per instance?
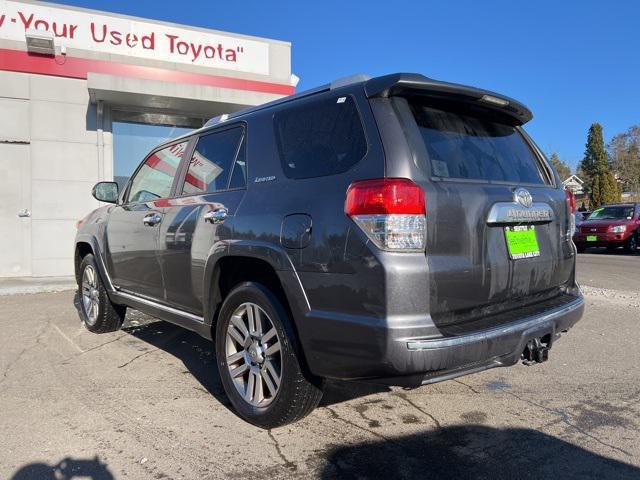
(571, 209)
(571, 201)
(390, 211)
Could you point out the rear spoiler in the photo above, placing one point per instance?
(413, 84)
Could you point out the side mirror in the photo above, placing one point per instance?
(105, 192)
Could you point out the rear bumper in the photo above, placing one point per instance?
(374, 352)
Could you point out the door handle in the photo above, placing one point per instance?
(24, 213)
(151, 219)
(218, 215)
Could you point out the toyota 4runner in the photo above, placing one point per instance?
(396, 229)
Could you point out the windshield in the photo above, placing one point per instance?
(612, 213)
(469, 147)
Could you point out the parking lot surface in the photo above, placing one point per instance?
(146, 403)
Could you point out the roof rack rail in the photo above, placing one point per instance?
(218, 119)
(349, 80)
(340, 82)
(239, 113)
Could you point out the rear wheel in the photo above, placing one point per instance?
(632, 244)
(580, 248)
(97, 311)
(258, 360)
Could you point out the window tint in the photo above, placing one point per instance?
(321, 137)
(155, 177)
(212, 161)
(469, 147)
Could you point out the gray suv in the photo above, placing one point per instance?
(397, 229)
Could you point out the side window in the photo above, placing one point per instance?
(154, 179)
(239, 174)
(321, 137)
(212, 161)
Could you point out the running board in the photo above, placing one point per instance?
(159, 306)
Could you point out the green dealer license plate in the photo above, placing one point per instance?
(522, 241)
(592, 238)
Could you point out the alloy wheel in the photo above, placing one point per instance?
(253, 352)
(90, 294)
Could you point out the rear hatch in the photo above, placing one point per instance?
(498, 236)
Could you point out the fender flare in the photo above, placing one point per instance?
(97, 253)
(273, 255)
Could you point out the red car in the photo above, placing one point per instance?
(611, 226)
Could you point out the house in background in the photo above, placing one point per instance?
(575, 184)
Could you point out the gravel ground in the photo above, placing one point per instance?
(146, 402)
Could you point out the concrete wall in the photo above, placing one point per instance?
(55, 123)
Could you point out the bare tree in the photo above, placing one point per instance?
(624, 155)
(561, 167)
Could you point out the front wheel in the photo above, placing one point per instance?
(97, 311)
(258, 360)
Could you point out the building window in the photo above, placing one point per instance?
(136, 134)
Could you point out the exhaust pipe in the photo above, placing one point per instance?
(536, 351)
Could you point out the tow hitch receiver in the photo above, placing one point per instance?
(536, 351)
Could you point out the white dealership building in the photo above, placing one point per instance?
(84, 94)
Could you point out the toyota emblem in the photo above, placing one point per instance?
(523, 197)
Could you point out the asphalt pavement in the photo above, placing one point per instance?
(146, 403)
(614, 271)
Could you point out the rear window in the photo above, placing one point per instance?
(462, 146)
(320, 137)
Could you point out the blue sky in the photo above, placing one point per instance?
(572, 62)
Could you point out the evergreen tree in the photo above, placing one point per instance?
(602, 186)
(594, 154)
(596, 192)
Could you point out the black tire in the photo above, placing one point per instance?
(631, 245)
(298, 393)
(109, 316)
(580, 249)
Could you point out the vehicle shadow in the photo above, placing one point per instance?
(195, 352)
(67, 469)
(198, 356)
(472, 452)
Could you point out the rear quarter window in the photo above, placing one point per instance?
(462, 146)
(320, 137)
